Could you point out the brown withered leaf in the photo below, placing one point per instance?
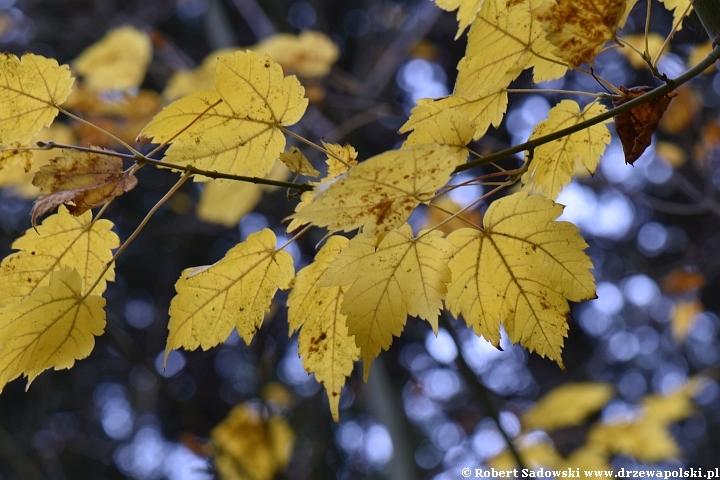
(88, 179)
(635, 128)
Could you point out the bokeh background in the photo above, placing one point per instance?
(119, 414)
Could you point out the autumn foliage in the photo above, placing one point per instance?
(228, 124)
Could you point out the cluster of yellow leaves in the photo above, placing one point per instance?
(248, 445)
(646, 437)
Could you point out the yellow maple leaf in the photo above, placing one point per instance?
(580, 28)
(61, 240)
(381, 192)
(447, 127)
(327, 349)
(678, 7)
(683, 318)
(482, 110)
(402, 276)
(235, 292)
(88, 179)
(676, 406)
(17, 178)
(467, 9)
(504, 40)
(585, 458)
(554, 163)
(201, 78)
(536, 455)
(346, 152)
(310, 54)
(567, 405)
(239, 135)
(30, 89)
(520, 269)
(50, 328)
(118, 61)
(298, 163)
(225, 202)
(249, 446)
(646, 441)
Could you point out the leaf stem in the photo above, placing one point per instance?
(711, 58)
(102, 130)
(553, 90)
(480, 392)
(139, 228)
(670, 35)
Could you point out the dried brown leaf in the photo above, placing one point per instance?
(88, 179)
(635, 128)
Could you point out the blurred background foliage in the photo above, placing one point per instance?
(653, 231)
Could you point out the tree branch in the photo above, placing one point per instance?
(625, 107)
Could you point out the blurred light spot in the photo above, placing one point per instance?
(251, 223)
(580, 202)
(623, 346)
(479, 353)
(613, 216)
(419, 408)
(632, 385)
(610, 299)
(446, 435)
(669, 376)
(143, 457)
(617, 411)
(522, 120)
(292, 371)
(302, 15)
(349, 436)
(422, 79)
(182, 464)
(440, 383)
(652, 238)
(427, 456)
(614, 168)
(510, 423)
(671, 65)
(291, 248)
(593, 321)
(488, 442)
(649, 339)
(466, 194)
(175, 362)
(378, 447)
(414, 358)
(356, 23)
(657, 171)
(115, 413)
(709, 394)
(641, 290)
(442, 348)
(140, 312)
(503, 377)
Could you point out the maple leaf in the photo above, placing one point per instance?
(118, 61)
(685, 313)
(567, 405)
(671, 408)
(400, 276)
(635, 128)
(678, 7)
(554, 163)
(346, 152)
(250, 446)
(520, 270)
(504, 40)
(225, 202)
(87, 178)
(580, 28)
(298, 163)
(30, 89)
(327, 349)
(62, 240)
(448, 127)
(18, 178)
(239, 135)
(646, 441)
(50, 328)
(201, 78)
(235, 292)
(467, 10)
(483, 110)
(381, 192)
(310, 54)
